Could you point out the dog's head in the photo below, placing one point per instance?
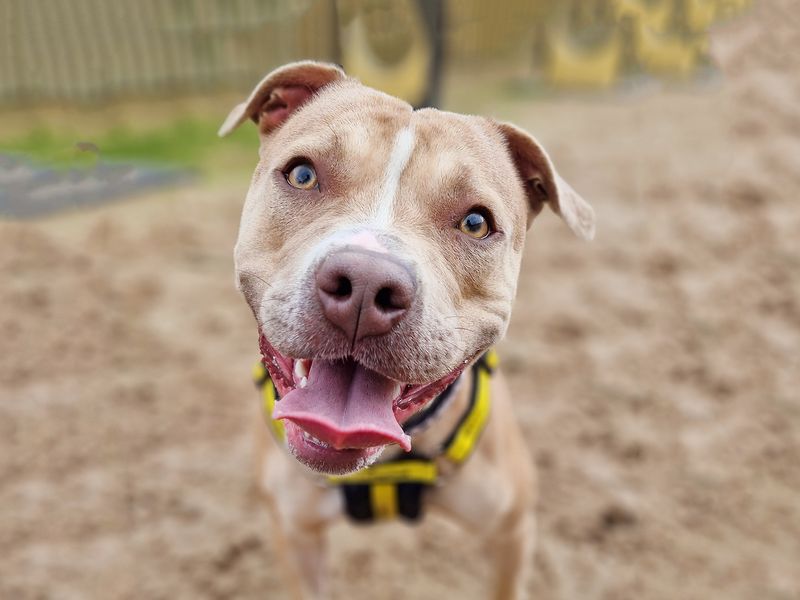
(379, 250)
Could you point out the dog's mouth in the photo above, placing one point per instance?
(339, 414)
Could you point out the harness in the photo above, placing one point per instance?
(394, 488)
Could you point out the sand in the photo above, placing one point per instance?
(656, 372)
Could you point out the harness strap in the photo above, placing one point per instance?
(417, 420)
(458, 446)
(269, 396)
(414, 469)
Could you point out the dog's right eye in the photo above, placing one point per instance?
(302, 177)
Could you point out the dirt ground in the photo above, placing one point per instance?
(656, 372)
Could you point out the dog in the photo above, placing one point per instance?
(379, 250)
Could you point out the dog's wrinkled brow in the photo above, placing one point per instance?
(311, 146)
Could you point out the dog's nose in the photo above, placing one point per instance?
(364, 293)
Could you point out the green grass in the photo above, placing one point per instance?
(187, 143)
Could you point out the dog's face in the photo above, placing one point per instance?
(379, 250)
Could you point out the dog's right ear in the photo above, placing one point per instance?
(280, 93)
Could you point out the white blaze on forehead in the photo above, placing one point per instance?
(367, 240)
(398, 160)
(355, 235)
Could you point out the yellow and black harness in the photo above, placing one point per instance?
(394, 488)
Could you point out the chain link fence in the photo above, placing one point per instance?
(85, 51)
(92, 50)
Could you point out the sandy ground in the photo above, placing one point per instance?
(656, 372)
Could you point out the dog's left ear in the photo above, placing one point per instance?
(280, 93)
(544, 184)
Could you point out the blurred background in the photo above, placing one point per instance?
(655, 371)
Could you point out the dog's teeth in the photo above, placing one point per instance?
(310, 438)
(303, 382)
(397, 391)
(301, 368)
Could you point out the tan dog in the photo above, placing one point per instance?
(379, 250)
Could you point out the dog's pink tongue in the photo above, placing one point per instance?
(345, 405)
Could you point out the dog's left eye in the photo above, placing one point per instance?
(475, 225)
(302, 177)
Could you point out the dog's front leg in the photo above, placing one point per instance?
(511, 549)
(302, 552)
(305, 563)
(300, 512)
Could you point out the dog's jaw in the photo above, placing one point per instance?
(361, 428)
(322, 458)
